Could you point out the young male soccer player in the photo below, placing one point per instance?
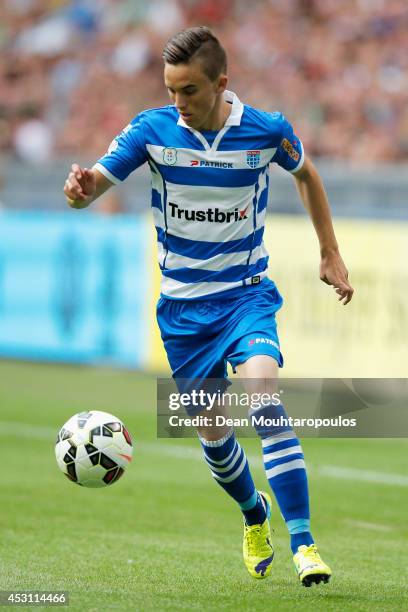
(209, 154)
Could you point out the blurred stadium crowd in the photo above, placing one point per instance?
(73, 72)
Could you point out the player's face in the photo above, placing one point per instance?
(194, 95)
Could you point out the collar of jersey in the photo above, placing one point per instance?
(235, 115)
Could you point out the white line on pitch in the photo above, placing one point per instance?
(346, 473)
(370, 526)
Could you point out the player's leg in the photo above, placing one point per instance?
(195, 355)
(285, 468)
(282, 453)
(230, 469)
(254, 353)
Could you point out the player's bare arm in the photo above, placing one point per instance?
(84, 185)
(313, 195)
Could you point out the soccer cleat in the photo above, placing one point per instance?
(310, 567)
(257, 546)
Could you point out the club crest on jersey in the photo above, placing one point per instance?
(253, 158)
(170, 156)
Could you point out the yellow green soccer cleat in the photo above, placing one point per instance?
(310, 567)
(257, 546)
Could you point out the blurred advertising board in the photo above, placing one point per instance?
(320, 336)
(73, 287)
(83, 288)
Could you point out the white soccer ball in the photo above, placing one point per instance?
(93, 449)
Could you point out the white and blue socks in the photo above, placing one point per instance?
(229, 467)
(286, 473)
(285, 470)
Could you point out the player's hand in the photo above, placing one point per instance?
(333, 272)
(80, 187)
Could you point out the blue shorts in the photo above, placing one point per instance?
(201, 336)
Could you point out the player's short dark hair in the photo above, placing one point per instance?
(197, 43)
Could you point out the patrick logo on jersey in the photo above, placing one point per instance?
(197, 163)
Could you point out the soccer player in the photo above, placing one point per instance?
(209, 155)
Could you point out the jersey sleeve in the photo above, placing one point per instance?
(126, 152)
(289, 153)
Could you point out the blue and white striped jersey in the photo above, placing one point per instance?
(209, 193)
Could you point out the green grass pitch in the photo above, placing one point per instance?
(166, 537)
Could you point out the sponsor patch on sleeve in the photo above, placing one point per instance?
(290, 149)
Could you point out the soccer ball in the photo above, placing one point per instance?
(93, 449)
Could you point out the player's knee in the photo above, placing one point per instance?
(269, 421)
(260, 374)
(212, 433)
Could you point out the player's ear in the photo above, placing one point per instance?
(222, 83)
